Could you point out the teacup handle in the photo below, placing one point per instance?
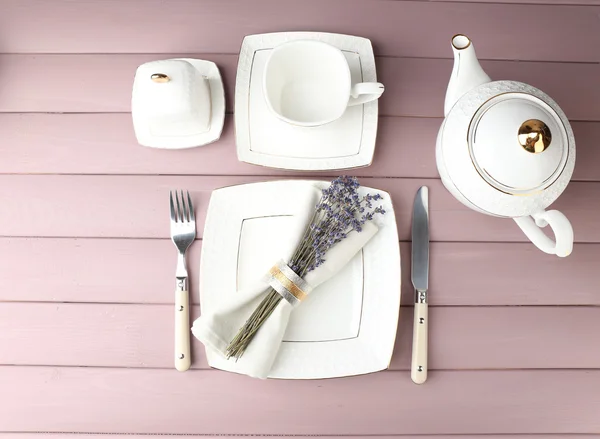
(563, 231)
(365, 92)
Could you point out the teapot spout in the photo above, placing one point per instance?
(466, 73)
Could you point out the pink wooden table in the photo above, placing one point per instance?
(86, 270)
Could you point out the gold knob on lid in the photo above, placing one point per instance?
(534, 136)
(160, 77)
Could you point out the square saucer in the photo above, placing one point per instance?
(347, 325)
(264, 139)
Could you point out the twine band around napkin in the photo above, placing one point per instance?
(288, 284)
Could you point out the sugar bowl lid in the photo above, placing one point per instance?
(518, 143)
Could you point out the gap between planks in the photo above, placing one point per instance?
(218, 371)
(297, 175)
(444, 58)
(232, 114)
(70, 434)
(408, 305)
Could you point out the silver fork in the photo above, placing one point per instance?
(183, 233)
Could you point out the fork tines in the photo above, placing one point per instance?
(180, 211)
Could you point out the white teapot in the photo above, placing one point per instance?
(506, 149)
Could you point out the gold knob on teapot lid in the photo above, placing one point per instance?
(534, 136)
(160, 77)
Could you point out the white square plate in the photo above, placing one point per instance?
(263, 139)
(346, 326)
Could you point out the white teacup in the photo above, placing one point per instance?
(308, 83)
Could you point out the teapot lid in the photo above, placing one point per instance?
(518, 143)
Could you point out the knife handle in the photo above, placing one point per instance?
(419, 348)
(182, 328)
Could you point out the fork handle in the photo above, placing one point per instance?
(182, 327)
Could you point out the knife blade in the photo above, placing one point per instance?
(420, 240)
(420, 281)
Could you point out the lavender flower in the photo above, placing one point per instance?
(340, 211)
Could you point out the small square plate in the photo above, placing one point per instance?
(346, 326)
(263, 139)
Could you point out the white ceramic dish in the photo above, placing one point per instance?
(264, 139)
(347, 326)
(145, 131)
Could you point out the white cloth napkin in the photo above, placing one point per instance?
(219, 325)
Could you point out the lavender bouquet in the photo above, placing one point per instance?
(340, 211)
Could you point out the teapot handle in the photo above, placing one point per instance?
(563, 231)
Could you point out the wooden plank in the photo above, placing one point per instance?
(105, 144)
(414, 86)
(92, 270)
(104, 400)
(417, 87)
(141, 271)
(136, 207)
(112, 335)
(84, 83)
(558, 33)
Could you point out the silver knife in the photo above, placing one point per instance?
(420, 280)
